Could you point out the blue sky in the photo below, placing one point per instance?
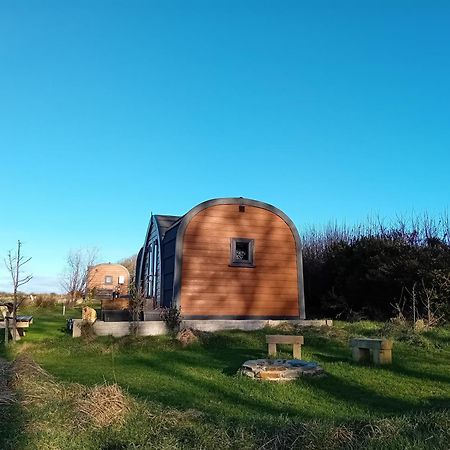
(112, 109)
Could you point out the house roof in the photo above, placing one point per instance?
(165, 222)
(183, 221)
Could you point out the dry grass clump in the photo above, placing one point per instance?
(99, 406)
(186, 337)
(103, 406)
(286, 327)
(25, 367)
(382, 429)
(35, 384)
(340, 436)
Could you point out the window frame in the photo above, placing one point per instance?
(234, 261)
(111, 278)
(154, 280)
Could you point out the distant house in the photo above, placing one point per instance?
(108, 280)
(227, 258)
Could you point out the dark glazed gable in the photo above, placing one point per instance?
(164, 223)
(157, 227)
(155, 235)
(168, 265)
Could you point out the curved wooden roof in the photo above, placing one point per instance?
(183, 222)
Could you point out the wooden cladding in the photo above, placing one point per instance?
(101, 273)
(211, 286)
(118, 304)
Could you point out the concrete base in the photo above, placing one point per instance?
(119, 329)
(158, 327)
(248, 324)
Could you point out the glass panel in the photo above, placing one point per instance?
(242, 251)
(154, 268)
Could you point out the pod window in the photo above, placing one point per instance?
(242, 252)
(108, 279)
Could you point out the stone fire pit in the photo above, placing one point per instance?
(280, 369)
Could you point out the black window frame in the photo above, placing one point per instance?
(111, 277)
(234, 261)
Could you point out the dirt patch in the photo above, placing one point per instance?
(7, 396)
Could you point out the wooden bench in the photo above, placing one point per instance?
(379, 350)
(22, 322)
(273, 339)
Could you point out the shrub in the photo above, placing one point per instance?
(406, 331)
(87, 330)
(364, 271)
(172, 318)
(43, 300)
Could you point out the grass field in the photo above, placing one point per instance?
(192, 397)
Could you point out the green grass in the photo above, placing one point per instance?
(215, 407)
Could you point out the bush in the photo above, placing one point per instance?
(406, 331)
(44, 300)
(172, 317)
(87, 330)
(365, 271)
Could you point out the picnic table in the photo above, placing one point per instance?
(22, 322)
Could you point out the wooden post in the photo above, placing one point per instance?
(15, 334)
(6, 331)
(297, 351)
(272, 349)
(383, 357)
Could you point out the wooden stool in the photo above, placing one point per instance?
(379, 349)
(297, 341)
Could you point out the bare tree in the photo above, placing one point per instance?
(75, 278)
(430, 303)
(135, 307)
(129, 263)
(14, 264)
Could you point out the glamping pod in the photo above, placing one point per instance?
(110, 283)
(108, 279)
(227, 258)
